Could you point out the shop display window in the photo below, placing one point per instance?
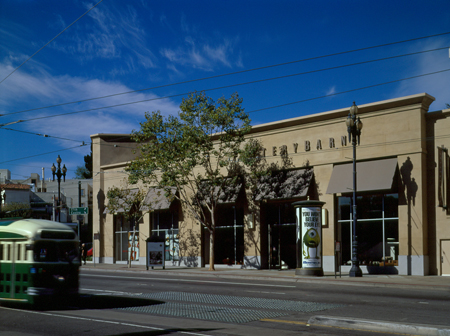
(164, 224)
(123, 240)
(376, 230)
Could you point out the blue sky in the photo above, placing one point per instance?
(123, 46)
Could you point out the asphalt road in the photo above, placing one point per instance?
(151, 304)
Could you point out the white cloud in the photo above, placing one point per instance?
(200, 55)
(108, 33)
(436, 85)
(331, 91)
(26, 90)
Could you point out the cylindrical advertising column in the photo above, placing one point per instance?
(309, 237)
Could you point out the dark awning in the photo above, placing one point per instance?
(284, 184)
(132, 193)
(227, 194)
(370, 176)
(157, 199)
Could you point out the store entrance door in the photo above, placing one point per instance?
(282, 248)
(281, 233)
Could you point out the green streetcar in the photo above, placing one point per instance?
(39, 261)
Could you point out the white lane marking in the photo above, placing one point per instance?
(97, 320)
(186, 280)
(109, 291)
(278, 293)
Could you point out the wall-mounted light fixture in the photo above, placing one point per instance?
(324, 217)
(250, 221)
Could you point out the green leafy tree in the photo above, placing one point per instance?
(132, 203)
(16, 210)
(81, 172)
(195, 152)
(86, 171)
(88, 165)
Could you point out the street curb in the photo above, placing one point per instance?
(380, 326)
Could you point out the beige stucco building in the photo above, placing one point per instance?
(403, 216)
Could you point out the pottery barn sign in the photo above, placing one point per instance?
(283, 150)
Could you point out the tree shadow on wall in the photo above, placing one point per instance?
(409, 190)
(101, 206)
(190, 251)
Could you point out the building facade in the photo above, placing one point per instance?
(402, 196)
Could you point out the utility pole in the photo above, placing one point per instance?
(79, 205)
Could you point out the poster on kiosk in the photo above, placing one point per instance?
(309, 237)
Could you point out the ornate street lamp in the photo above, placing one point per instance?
(354, 126)
(59, 172)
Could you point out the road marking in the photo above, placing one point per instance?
(110, 291)
(306, 324)
(186, 280)
(266, 292)
(284, 321)
(100, 321)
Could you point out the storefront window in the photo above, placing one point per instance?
(124, 247)
(165, 225)
(229, 236)
(229, 242)
(377, 229)
(391, 206)
(344, 208)
(370, 207)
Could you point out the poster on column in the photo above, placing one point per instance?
(311, 237)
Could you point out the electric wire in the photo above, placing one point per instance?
(39, 134)
(31, 156)
(228, 86)
(241, 84)
(236, 72)
(258, 110)
(347, 91)
(50, 41)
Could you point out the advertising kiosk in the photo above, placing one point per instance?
(309, 237)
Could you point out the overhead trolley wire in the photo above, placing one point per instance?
(228, 86)
(252, 111)
(50, 41)
(28, 157)
(347, 91)
(39, 134)
(241, 72)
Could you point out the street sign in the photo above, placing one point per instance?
(78, 211)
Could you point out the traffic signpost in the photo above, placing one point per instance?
(79, 211)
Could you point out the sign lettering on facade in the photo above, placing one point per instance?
(283, 150)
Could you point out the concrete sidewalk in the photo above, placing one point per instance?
(380, 280)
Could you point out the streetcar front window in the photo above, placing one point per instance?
(68, 251)
(53, 251)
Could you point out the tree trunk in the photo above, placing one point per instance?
(211, 250)
(132, 245)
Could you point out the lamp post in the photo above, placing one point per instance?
(354, 126)
(59, 172)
